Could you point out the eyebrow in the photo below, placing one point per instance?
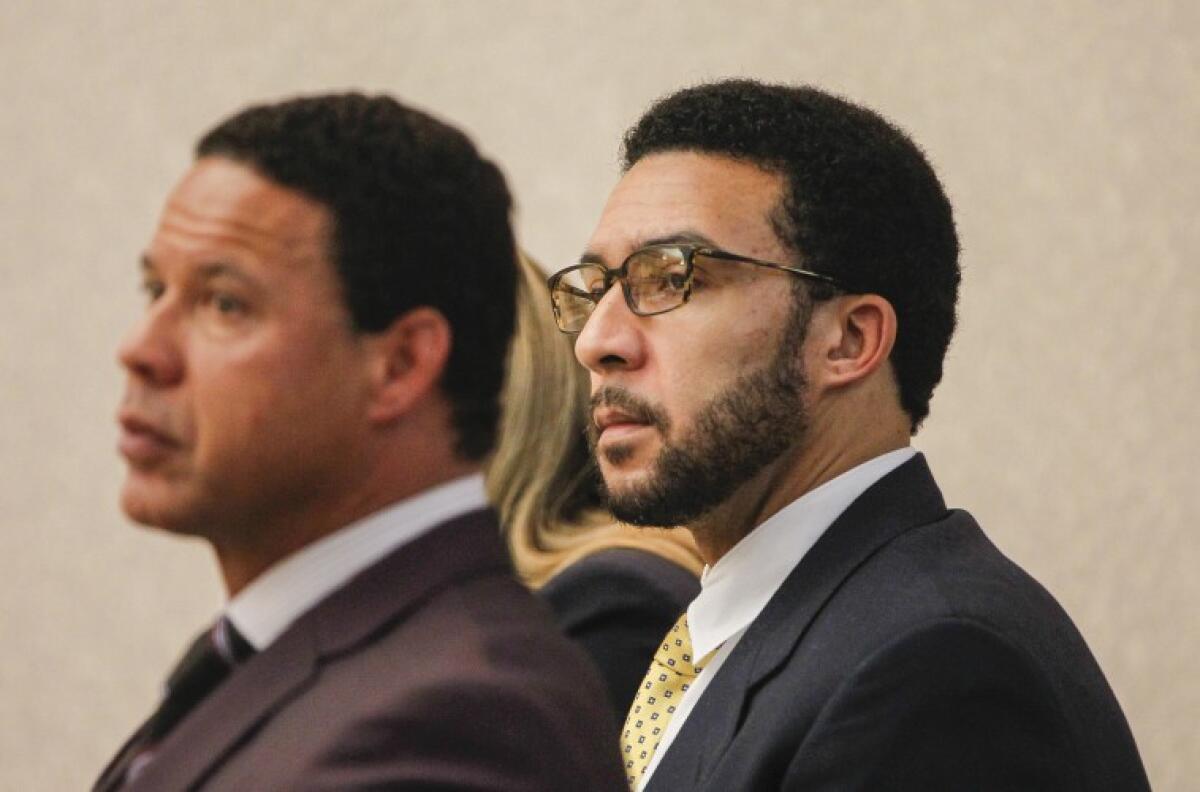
(205, 271)
(686, 237)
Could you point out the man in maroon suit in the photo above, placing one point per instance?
(311, 388)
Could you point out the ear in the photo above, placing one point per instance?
(857, 337)
(410, 356)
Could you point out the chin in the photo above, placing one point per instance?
(156, 509)
(618, 474)
(628, 458)
(623, 482)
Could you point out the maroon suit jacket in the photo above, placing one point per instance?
(431, 670)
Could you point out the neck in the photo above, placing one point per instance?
(802, 469)
(253, 549)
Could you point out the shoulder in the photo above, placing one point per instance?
(621, 578)
(489, 626)
(946, 582)
(948, 703)
(948, 568)
(939, 639)
(462, 690)
(628, 563)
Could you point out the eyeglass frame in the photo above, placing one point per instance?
(690, 251)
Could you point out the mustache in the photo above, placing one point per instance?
(634, 406)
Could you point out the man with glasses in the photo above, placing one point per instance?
(311, 389)
(764, 308)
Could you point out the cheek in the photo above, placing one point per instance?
(230, 412)
(249, 398)
(755, 337)
(306, 387)
(682, 381)
(690, 377)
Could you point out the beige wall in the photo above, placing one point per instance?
(1066, 134)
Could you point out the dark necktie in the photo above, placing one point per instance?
(204, 666)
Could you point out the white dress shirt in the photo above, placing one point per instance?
(268, 606)
(736, 589)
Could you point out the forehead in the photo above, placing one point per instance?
(675, 194)
(220, 205)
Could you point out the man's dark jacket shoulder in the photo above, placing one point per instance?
(906, 652)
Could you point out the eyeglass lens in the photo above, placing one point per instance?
(656, 280)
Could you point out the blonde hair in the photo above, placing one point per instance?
(541, 477)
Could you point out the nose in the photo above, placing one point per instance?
(611, 340)
(150, 351)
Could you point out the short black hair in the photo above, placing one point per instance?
(861, 202)
(419, 218)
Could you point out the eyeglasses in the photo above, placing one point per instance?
(654, 279)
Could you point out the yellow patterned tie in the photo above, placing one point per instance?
(670, 675)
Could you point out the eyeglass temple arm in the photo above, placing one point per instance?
(721, 254)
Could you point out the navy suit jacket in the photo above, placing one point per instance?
(905, 652)
(431, 670)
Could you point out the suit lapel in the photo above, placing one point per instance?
(107, 781)
(227, 717)
(467, 547)
(385, 592)
(903, 499)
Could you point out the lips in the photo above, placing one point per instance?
(613, 424)
(619, 414)
(142, 442)
(607, 417)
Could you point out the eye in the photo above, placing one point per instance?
(153, 289)
(226, 304)
(676, 280)
(595, 287)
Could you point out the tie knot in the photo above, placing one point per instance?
(229, 643)
(675, 651)
(211, 657)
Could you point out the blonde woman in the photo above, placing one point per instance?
(615, 589)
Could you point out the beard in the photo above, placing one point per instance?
(740, 431)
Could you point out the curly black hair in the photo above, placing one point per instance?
(420, 218)
(861, 202)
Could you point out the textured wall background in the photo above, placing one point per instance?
(1067, 134)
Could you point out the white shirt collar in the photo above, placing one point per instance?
(268, 606)
(736, 589)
